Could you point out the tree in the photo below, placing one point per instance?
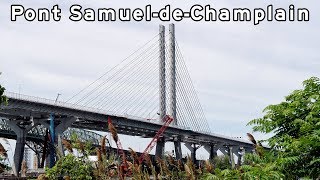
(3, 98)
(72, 166)
(263, 166)
(295, 125)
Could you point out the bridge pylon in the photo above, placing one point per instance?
(162, 87)
(172, 86)
(172, 75)
(172, 108)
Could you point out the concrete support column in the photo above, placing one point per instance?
(193, 149)
(240, 156)
(45, 147)
(19, 152)
(194, 155)
(21, 132)
(212, 150)
(178, 151)
(231, 157)
(160, 147)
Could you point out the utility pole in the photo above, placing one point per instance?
(57, 98)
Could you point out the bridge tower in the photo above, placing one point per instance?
(172, 86)
(162, 87)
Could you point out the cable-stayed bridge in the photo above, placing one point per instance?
(137, 93)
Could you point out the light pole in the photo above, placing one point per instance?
(57, 98)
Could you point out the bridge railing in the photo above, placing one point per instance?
(35, 99)
(53, 102)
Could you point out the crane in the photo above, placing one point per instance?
(167, 121)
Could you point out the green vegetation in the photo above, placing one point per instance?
(294, 150)
(295, 125)
(75, 167)
(3, 165)
(3, 98)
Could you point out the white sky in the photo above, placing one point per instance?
(237, 68)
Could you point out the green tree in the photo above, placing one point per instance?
(222, 162)
(72, 166)
(3, 98)
(295, 126)
(261, 167)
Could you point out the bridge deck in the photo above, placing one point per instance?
(21, 106)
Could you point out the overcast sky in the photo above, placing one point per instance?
(237, 68)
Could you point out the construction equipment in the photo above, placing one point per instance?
(167, 121)
(124, 165)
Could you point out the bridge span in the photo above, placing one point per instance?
(24, 112)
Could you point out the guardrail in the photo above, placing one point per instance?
(35, 99)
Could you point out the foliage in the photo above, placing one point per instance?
(75, 167)
(263, 167)
(222, 162)
(295, 124)
(72, 166)
(3, 98)
(3, 165)
(294, 154)
(107, 166)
